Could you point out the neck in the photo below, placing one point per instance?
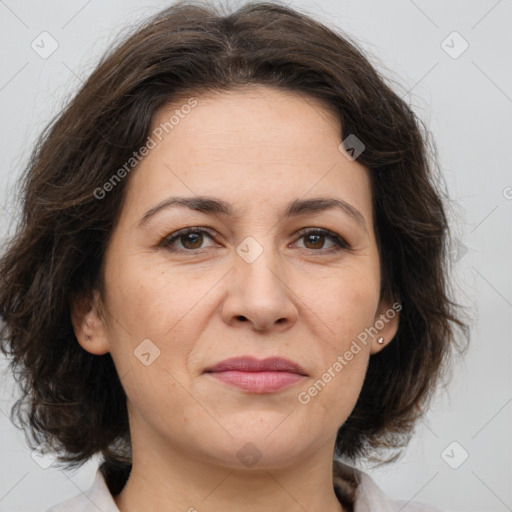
(164, 479)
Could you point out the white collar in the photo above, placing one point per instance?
(368, 498)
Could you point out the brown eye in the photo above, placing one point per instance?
(315, 240)
(190, 239)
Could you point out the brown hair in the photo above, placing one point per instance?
(72, 400)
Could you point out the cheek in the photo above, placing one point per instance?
(331, 394)
(156, 311)
(150, 299)
(346, 302)
(347, 306)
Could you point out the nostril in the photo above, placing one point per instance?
(241, 318)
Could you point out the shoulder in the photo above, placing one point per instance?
(97, 497)
(367, 495)
(364, 492)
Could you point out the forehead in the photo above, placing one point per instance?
(241, 113)
(245, 144)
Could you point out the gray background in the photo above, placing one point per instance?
(466, 100)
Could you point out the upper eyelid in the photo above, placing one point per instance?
(300, 233)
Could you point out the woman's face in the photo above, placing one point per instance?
(249, 280)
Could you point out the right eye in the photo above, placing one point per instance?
(190, 239)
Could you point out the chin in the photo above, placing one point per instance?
(262, 447)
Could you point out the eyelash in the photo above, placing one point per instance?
(340, 242)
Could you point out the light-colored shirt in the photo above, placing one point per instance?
(368, 498)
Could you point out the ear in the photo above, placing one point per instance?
(386, 323)
(88, 323)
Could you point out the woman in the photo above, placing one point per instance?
(230, 278)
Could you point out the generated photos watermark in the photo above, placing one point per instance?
(152, 141)
(305, 397)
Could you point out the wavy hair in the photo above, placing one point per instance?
(73, 401)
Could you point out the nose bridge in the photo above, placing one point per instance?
(258, 266)
(260, 294)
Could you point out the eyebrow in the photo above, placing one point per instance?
(212, 206)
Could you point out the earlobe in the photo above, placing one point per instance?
(88, 323)
(386, 322)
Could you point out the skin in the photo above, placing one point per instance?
(257, 149)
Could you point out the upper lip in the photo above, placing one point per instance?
(252, 364)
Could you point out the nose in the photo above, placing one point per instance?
(259, 296)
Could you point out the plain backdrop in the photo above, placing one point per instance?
(451, 60)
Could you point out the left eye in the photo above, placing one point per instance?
(316, 238)
(192, 239)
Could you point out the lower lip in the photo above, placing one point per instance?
(258, 382)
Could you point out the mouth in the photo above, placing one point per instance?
(258, 375)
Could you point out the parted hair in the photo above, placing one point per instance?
(73, 401)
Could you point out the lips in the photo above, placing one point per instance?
(251, 364)
(257, 375)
